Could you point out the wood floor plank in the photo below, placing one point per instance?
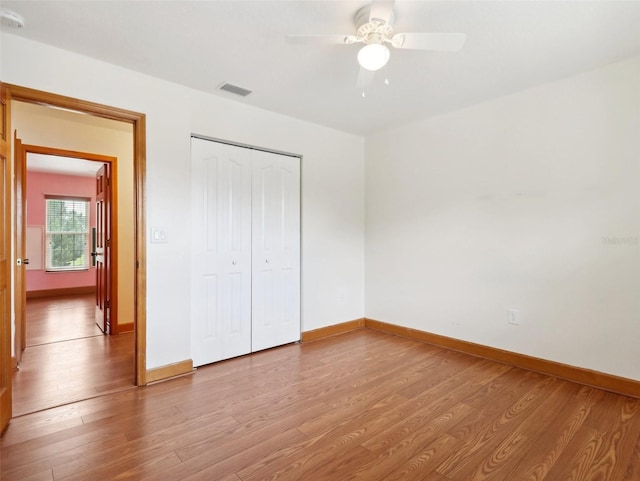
(363, 405)
(577, 461)
(67, 358)
(633, 469)
(242, 436)
(234, 455)
(425, 446)
(616, 452)
(547, 448)
(501, 451)
(505, 392)
(599, 451)
(205, 475)
(431, 404)
(499, 465)
(490, 431)
(60, 453)
(315, 459)
(158, 466)
(38, 428)
(46, 475)
(126, 455)
(421, 465)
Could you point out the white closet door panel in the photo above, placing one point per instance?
(221, 251)
(276, 250)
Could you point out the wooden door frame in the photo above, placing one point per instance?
(113, 217)
(6, 264)
(138, 121)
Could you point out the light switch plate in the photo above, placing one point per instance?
(159, 235)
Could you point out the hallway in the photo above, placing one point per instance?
(67, 358)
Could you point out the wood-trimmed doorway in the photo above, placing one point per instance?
(97, 159)
(138, 122)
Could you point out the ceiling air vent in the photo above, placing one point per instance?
(234, 89)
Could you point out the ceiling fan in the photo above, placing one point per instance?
(374, 29)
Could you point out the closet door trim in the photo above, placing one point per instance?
(247, 146)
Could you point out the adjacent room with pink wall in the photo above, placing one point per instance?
(40, 184)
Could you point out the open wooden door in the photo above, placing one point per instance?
(5, 259)
(102, 250)
(20, 276)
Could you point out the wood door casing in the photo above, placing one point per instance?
(5, 258)
(110, 162)
(138, 121)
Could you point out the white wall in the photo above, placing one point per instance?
(332, 184)
(530, 201)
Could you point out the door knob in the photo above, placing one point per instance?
(267, 261)
(233, 262)
(25, 261)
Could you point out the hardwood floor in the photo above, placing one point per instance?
(64, 318)
(67, 358)
(359, 406)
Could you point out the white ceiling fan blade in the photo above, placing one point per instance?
(440, 42)
(381, 11)
(365, 78)
(322, 39)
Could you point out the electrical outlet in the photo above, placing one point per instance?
(513, 316)
(342, 296)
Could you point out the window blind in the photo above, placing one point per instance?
(67, 231)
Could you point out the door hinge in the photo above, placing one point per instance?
(108, 182)
(107, 303)
(108, 242)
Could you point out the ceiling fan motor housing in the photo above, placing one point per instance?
(373, 30)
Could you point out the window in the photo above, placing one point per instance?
(67, 230)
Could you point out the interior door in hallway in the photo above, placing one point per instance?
(102, 251)
(276, 250)
(20, 246)
(221, 251)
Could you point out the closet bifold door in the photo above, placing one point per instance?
(220, 251)
(275, 250)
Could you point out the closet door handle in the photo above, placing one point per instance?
(234, 262)
(267, 261)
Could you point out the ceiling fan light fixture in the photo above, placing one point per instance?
(373, 56)
(11, 19)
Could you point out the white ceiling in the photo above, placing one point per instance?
(62, 165)
(511, 45)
